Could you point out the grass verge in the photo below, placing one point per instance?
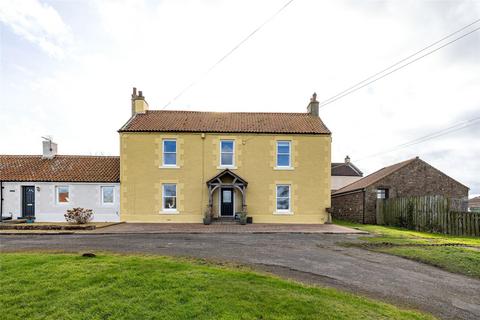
(452, 253)
(67, 286)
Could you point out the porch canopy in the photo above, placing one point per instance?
(226, 179)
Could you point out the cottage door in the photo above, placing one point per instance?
(226, 203)
(28, 201)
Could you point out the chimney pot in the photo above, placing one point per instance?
(139, 105)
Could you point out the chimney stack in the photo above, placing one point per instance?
(49, 148)
(313, 105)
(139, 105)
(347, 159)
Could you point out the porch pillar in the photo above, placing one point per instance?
(244, 199)
(210, 200)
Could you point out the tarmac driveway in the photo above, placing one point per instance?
(311, 258)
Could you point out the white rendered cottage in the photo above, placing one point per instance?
(46, 186)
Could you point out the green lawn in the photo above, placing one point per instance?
(67, 286)
(402, 242)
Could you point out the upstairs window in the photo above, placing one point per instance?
(382, 193)
(227, 148)
(169, 197)
(63, 194)
(283, 154)
(108, 196)
(283, 198)
(169, 152)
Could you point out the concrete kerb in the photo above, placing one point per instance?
(146, 228)
(173, 232)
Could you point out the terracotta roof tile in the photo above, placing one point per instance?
(248, 122)
(474, 202)
(374, 177)
(61, 168)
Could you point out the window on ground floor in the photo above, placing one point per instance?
(108, 196)
(169, 195)
(62, 194)
(283, 198)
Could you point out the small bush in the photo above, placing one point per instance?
(79, 215)
(243, 217)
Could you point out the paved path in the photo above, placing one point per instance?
(311, 258)
(229, 228)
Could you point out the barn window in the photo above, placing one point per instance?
(382, 193)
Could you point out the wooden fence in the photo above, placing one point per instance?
(430, 214)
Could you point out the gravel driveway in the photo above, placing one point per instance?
(310, 258)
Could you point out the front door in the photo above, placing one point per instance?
(226, 203)
(28, 201)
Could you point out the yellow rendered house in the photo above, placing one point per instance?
(178, 166)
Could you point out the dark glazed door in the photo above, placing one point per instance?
(28, 201)
(226, 203)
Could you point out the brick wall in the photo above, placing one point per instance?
(348, 207)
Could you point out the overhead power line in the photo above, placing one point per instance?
(251, 34)
(369, 80)
(404, 59)
(445, 131)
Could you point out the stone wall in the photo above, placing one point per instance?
(421, 179)
(418, 178)
(348, 207)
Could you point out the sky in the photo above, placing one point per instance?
(67, 69)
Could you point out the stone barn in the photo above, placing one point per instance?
(357, 201)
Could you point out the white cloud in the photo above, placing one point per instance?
(160, 47)
(38, 23)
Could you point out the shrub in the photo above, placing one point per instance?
(243, 217)
(79, 215)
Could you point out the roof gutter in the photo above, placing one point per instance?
(219, 131)
(347, 192)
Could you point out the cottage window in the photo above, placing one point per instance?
(169, 152)
(63, 194)
(169, 197)
(108, 196)
(227, 154)
(283, 198)
(283, 154)
(382, 193)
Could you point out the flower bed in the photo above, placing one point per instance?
(38, 226)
